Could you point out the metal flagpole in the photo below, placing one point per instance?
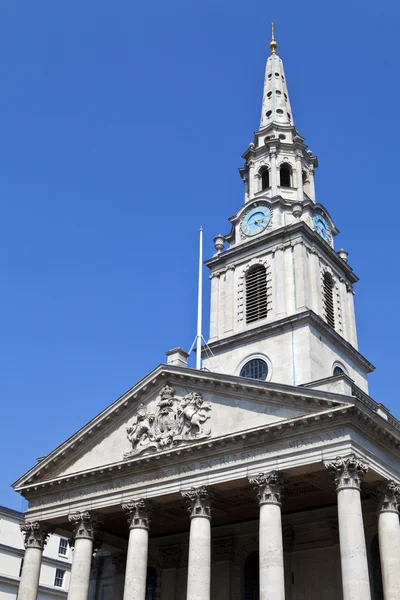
(199, 304)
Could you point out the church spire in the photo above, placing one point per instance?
(275, 105)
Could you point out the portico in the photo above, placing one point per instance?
(198, 516)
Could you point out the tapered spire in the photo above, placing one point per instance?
(275, 105)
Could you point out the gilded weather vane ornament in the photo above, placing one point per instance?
(273, 45)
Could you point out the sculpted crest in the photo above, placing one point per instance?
(175, 421)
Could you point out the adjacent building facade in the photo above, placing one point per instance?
(56, 560)
(271, 473)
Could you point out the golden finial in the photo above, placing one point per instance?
(273, 45)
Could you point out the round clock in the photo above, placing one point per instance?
(322, 227)
(256, 220)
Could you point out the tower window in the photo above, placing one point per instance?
(278, 92)
(279, 111)
(269, 94)
(256, 294)
(338, 371)
(264, 179)
(255, 369)
(328, 286)
(269, 113)
(286, 175)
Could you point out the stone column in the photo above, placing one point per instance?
(274, 174)
(272, 576)
(84, 526)
(35, 537)
(138, 514)
(348, 474)
(389, 540)
(251, 180)
(199, 567)
(299, 173)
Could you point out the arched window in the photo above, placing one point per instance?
(256, 294)
(251, 586)
(264, 179)
(328, 285)
(255, 369)
(286, 175)
(151, 583)
(338, 371)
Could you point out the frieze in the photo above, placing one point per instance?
(193, 468)
(174, 421)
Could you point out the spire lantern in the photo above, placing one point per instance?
(273, 44)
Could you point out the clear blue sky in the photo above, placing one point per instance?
(122, 128)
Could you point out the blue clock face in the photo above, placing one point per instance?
(256, 220)
(322, 227)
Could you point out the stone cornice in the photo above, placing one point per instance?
(282, 235)
(310, 316)
(280, 432)
(234, 385)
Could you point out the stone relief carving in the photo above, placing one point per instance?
(138, 513)
(389, 495)
(175, 420)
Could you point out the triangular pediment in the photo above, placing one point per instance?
(173, 408)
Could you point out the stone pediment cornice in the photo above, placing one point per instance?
(231, 385)
(314, 424)
(330, 405)
(284, 235)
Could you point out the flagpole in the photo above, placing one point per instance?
(199, 304)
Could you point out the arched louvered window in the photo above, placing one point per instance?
(265, 179)
(256, 294)
(338, 371)
(151, 583)
(285, 175)
(251, 582)
(328, 286)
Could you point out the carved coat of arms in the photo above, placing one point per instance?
(175, 420)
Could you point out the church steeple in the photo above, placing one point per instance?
(281, 296)
(275, 104)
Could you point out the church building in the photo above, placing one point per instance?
(268, 474)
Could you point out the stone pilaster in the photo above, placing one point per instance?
(272, 576)
(348, 473)
(389, 539)
(199, 567)
(138, 514)
(84, 526)
(35, 538)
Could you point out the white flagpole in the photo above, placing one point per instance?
(199, 304)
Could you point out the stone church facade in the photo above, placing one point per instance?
(270, 473)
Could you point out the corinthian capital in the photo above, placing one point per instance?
(388, 497)
(348, 472)
(269, 487)
(199, 500)
(35, 534)
(138, 513)
(84, 524)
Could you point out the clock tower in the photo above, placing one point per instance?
(282, 297)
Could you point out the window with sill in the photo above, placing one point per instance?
(59, 578)
(63, 547)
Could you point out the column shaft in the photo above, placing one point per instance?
(136, 565)
(272, 575)
(35, 536)
(199, 566)
(389, 540)
(29, 585)
(272, 578)
(138, 514)
(348, 474)
(80, 569)
(84, 525)
(353, 553)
